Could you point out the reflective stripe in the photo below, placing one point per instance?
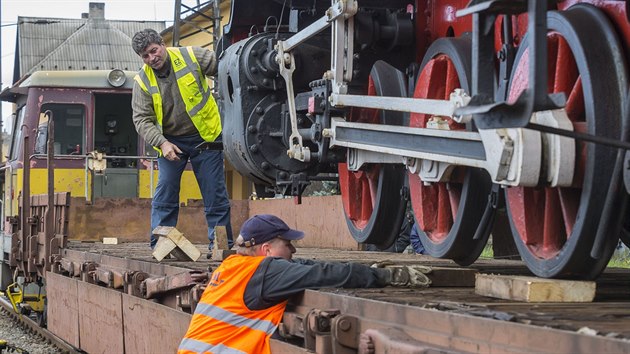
(189, 64)
(200, 105)
(202, 347)
(147, 84)
(235, 320)
(206, 93)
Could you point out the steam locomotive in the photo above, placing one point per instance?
(458, 107)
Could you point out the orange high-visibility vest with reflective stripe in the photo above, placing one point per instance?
(222, 323)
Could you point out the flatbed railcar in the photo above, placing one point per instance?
(454, 106)
(457, 106)
(139, 305)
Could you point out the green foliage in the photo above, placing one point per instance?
(487, 252)
(620, 259)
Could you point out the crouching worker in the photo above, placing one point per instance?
(247, 294)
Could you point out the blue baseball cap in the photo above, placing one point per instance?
(264, 227)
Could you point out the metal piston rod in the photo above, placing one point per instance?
(514, 157)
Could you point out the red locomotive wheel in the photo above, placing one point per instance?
(371, 196)
(554, 228)
(449, 214)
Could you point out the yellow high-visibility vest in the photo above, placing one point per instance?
(193, 87)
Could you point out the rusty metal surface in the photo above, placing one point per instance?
(446, 318)
(34, 327)
(100, 319)
(151, 327)
(461, 332)
(63, 308)
(321, 219)
(39, 233)
(129, 219)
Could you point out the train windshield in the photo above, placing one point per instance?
(69, 134)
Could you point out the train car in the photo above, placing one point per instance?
(454, 105)
(98, 161)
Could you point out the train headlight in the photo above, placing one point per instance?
(116, 78)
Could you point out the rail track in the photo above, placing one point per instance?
(446, 318)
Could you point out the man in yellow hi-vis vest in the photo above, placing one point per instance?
(174, 111)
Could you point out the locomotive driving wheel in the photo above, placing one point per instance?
(554, 227)
(371, 197)
(449, 214)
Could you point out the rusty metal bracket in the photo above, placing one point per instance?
(87, 269)
(154, 287)
(133, 282)
(110, 278)
(317, 325)
(345, 333)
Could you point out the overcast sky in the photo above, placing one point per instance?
(160, 10)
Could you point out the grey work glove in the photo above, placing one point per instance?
(412, 276)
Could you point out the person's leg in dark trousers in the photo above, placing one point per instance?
(210, 174)
(165, 204)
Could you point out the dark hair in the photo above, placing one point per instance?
(144, 38)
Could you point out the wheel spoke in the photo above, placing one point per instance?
(448, 213)
(371, 201)
(554, 234)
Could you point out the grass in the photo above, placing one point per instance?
(620, 259)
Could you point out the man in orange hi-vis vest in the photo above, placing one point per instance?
(245, 299)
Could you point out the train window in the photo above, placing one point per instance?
(42, 133)
(114, 132)
(69, 132)
(17, 133)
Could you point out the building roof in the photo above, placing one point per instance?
(90, 43)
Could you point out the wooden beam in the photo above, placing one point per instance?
(532, 289)
(221, 248)
(173, 242)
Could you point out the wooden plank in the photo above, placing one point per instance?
(219, 255)
(221, 249)
(532, 289)
(179, 246)
(163, 248)
(220, 238)
(110, 240)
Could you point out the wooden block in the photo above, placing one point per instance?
(452, 277)
(110, 240)
(219, 255)
(532, 289)
(181, 248)
(220, 238)
(163, 248)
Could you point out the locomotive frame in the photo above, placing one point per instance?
(503, 102)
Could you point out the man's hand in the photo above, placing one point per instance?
(170, 151)
(413, 276)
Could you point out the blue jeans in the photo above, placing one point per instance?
(208, 168)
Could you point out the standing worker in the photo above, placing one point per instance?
(174, 111)
(245, 299)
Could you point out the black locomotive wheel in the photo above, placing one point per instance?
(371, 197)
(449, 214)
(554, 228)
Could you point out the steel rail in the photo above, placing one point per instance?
(33, 326)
